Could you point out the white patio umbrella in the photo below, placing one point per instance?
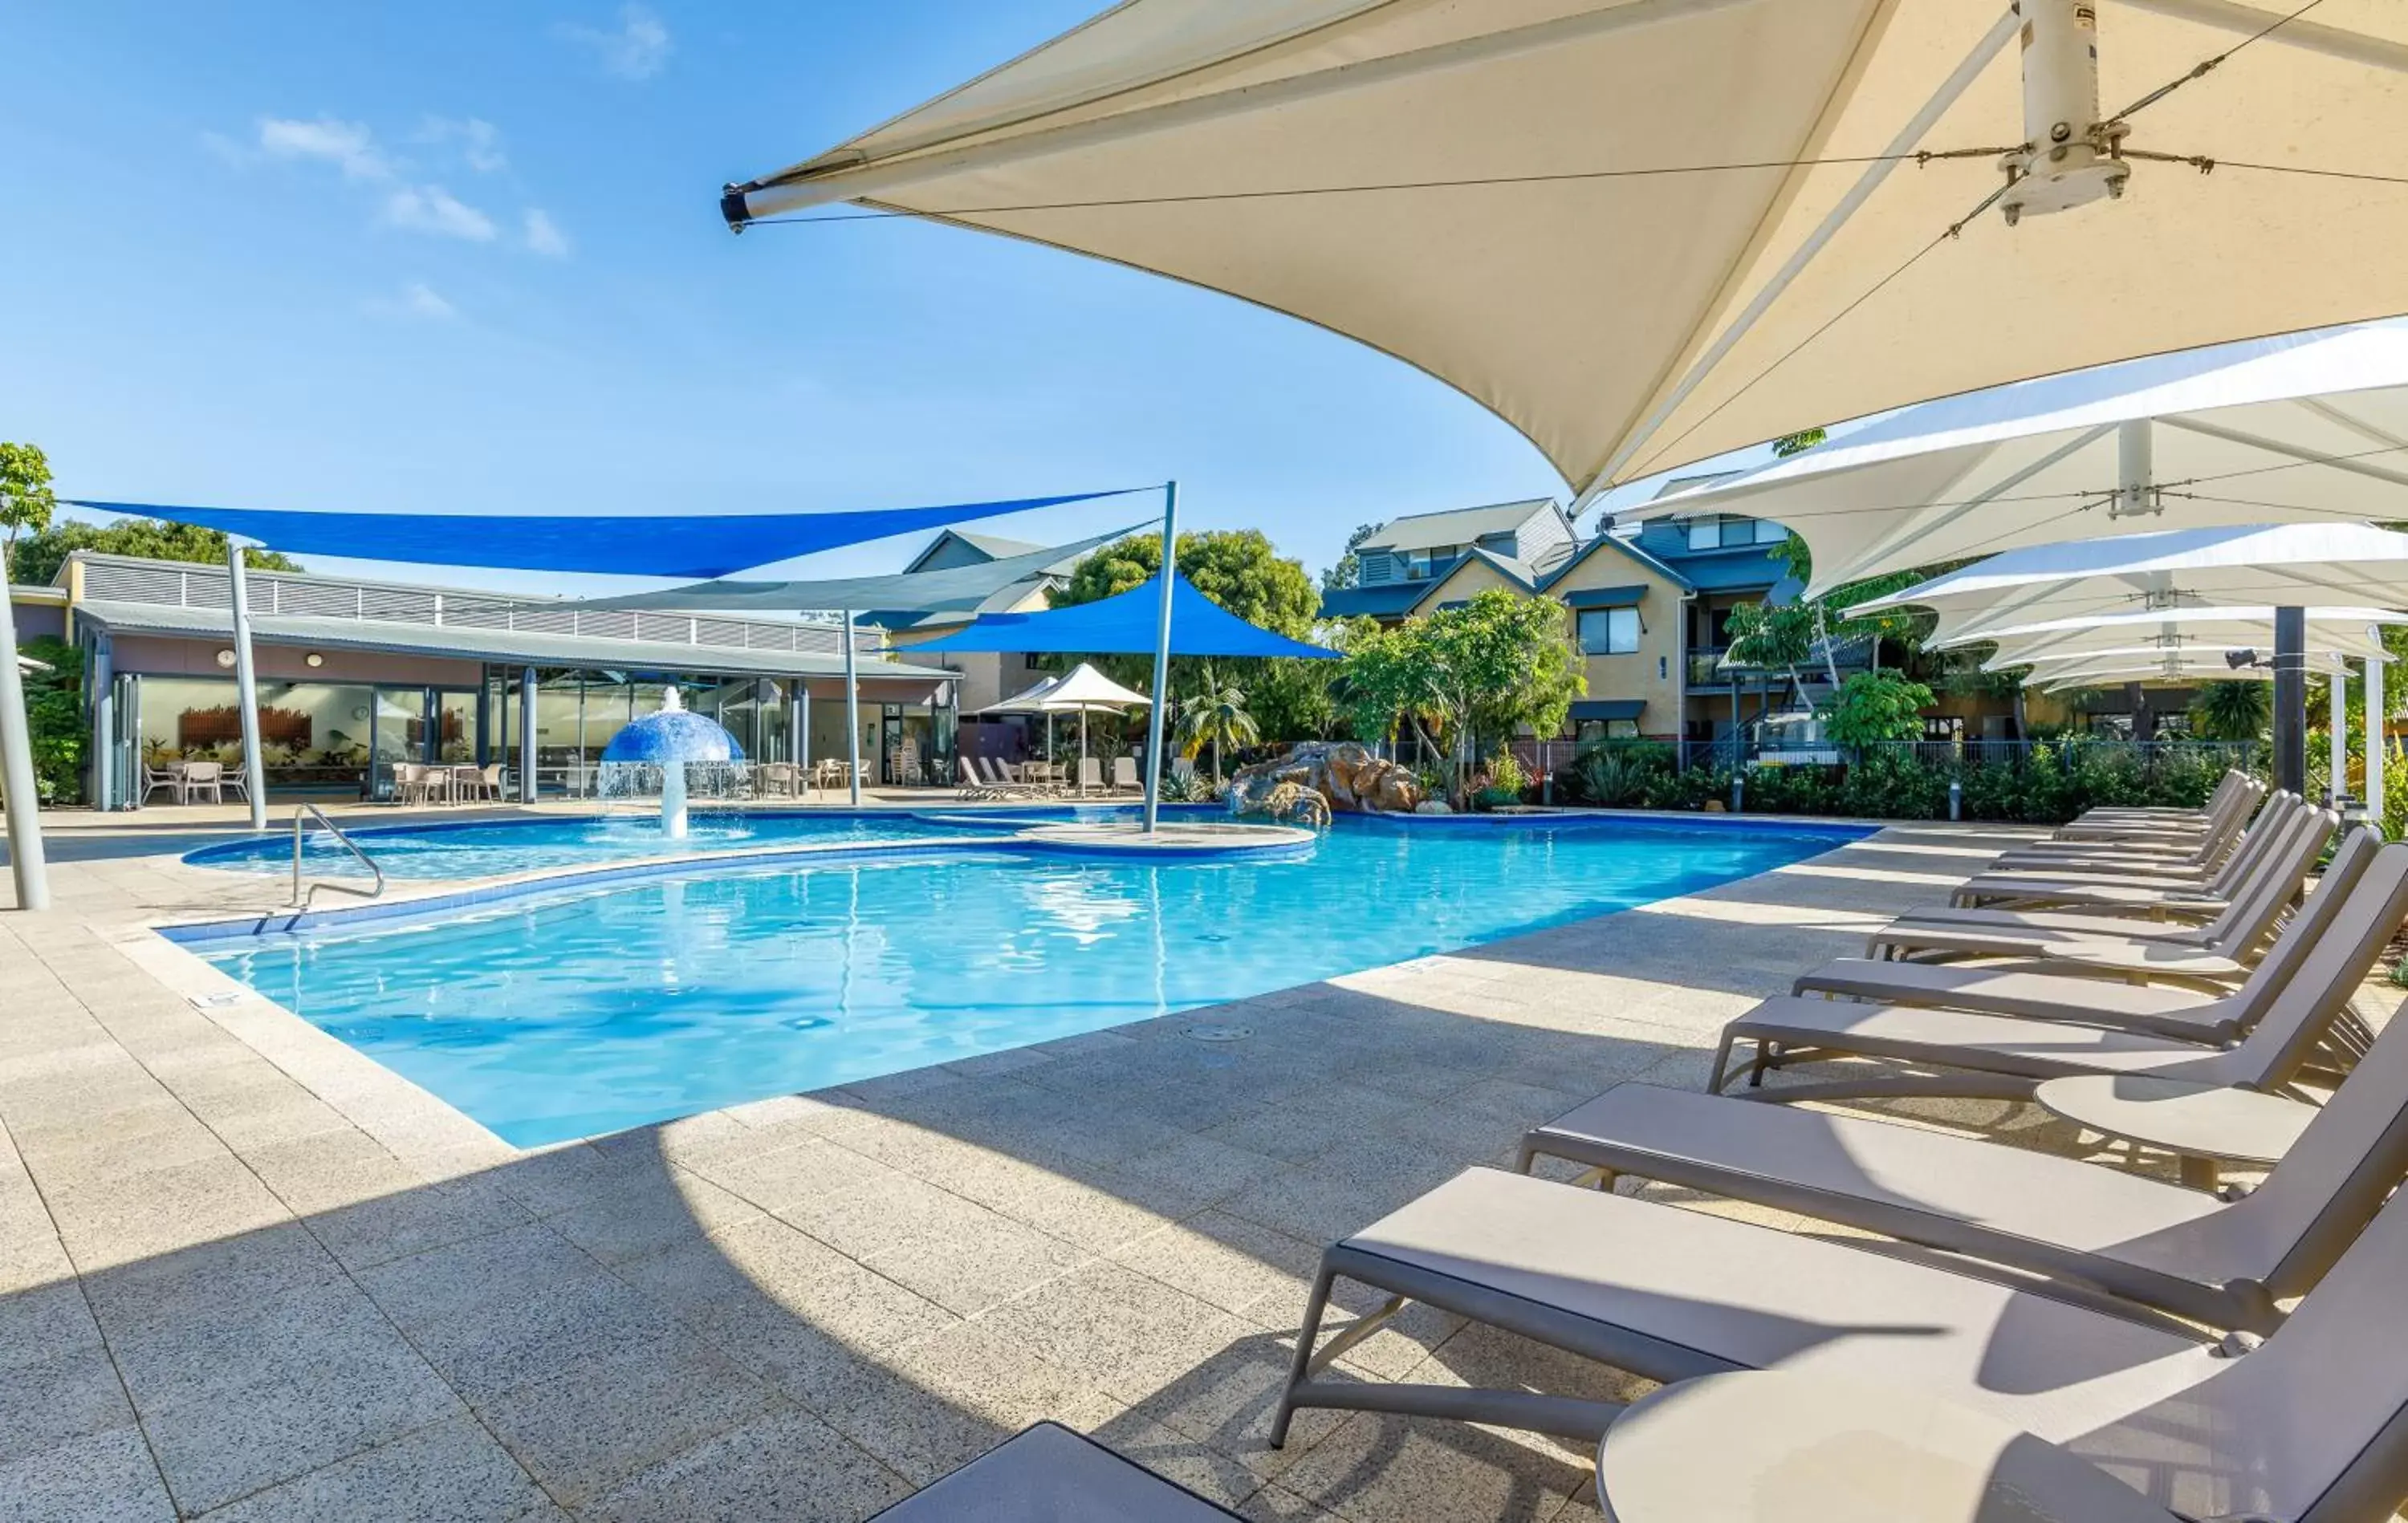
(2116, 674)
(1081, 690)
(1647, 232)
(2307, 429)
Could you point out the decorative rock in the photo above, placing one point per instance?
(1433, 806)
(1344, 774)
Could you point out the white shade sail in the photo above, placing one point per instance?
(2294, 565)
(2311, 428)
(2348, 630)
(1080, 689)
(2109, 674)
(1647, 232)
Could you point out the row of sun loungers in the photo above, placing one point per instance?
(985, 779)
(2223, 1354)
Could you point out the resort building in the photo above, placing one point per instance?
(984, 679)
(357, 677)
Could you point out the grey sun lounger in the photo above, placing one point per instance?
(2203, 851)
(2180, 1251)
(2227, 805)
(2037, 993)
(2193, 892)
(2217, 800)
(2310, 1426)
(2004, 1056)
(2231, 941)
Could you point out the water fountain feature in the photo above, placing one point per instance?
(660, 753)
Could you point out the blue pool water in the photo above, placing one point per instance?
(490, 849)
(573, 1011)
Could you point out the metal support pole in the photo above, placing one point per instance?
(2375, 740)
(2135, 468)
(2291, 700)
(25, 863)
(803, 734)
(2337, 732)
(852, 711)
(246, 691)
(103, 678)
(1153, 717)
(526, 734)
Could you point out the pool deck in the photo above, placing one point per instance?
(248, 1274)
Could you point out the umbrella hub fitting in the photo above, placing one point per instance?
(2068, 157)
(2135, 502)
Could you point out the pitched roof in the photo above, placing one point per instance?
(1626, 548)
(1455, 525)
(1383, 600)
(989, 547)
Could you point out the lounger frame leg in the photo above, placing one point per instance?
(1314, 1307)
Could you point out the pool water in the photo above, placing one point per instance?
(573, 1012)
(495, 848)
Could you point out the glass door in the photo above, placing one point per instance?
(399, 735)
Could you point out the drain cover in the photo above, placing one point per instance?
(1217, 1033)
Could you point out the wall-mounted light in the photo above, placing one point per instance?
(313, 660)
(225, 658)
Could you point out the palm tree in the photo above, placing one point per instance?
(1213, 712)
(2231, 711)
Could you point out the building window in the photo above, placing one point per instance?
(1589, 731)
(1724, 532)
(1770, 533)
(1609, 631)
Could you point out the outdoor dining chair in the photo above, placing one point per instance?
(171, 777)
(202, 777)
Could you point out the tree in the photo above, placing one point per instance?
(38, 559)
(1464, 677)
(1214, 712)
(1871, 707)
(2230, 710)
(27, 500)
(1348, 572)
(55, 719)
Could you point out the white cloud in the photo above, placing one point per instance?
(544, 236)
(637, 48)
(479, 141)
(431, 208)
(346, 145)
(417, 299)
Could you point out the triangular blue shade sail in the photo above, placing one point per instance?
(689, 545)
(1124, 624)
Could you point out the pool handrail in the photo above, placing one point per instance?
(300, 898)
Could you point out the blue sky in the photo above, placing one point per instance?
(467, 256)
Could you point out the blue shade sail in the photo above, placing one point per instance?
(693, 545)
(1124, 624)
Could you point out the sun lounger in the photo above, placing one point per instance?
(2232, 781)
(2229, 808)
(2070, 993)
(1125, 778)
(2006, 1056)
(2203, 851)
(2234, 937)
(2311, 1425)
(2180, 1251)
(2023, 886)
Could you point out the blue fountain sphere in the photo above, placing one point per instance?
(673, 734)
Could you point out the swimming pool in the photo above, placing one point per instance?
(474, 850)
(565, 1013)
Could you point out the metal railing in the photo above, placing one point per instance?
(301, 817)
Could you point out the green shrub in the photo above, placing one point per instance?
(1802, 789)
(55, 718)
(1613, 774)
(1894, 785)
(1689, 790)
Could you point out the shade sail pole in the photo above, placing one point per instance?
(1161, 656)
(25, 863)
(2291, 700)
(2337, 733)
(526, 734)
(852, 714)
(2374, 737)
(246, 690)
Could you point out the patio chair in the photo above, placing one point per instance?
(2222, 948)
(2308, 1426)
(171, 778)
(2327, 948)
(1091, 776)
(235, 781)
(2226, 1263)
(204, 778)
(2018, 888)
(1125, 777)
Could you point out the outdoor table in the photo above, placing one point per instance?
(1770, 1446)
(2208, 1125)
(1046, 1473)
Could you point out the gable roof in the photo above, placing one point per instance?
(1623, 547)
(1457, 525)
(989, 547)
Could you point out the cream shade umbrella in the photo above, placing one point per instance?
(1081, 690)
(1646, 232)
(2349, 631)
(2194, 668)
(2308, 428)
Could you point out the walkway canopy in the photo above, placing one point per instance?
(2311, 429)
(949, 590)
(647, 545)
(1126, 624)
(1646, 232)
